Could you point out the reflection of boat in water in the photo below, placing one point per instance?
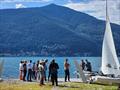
(110, 66)
(1, 69)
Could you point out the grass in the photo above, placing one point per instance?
(32, 86)
(62, 86)
(83, 86)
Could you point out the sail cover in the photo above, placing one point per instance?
(110, 62)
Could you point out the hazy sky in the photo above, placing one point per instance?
(95, 8)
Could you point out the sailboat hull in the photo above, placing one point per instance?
(106, 80)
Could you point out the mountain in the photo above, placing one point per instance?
(52, 30)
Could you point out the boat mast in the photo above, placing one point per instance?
(106, 9)
(107, 17)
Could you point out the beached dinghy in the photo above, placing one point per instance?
(110, 63)
(110, 66)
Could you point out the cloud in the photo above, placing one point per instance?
(19, 6)
(10, 1)
(97, 9)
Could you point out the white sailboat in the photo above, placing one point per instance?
(110, 63)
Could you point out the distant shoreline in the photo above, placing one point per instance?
(50, 56)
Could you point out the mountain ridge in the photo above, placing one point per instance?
(51, 30)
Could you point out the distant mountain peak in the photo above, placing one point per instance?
(52, 5)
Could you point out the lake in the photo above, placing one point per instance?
(11, 65)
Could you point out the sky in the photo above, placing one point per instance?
(94, 8)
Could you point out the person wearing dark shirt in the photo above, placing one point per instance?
(88, 66)
(45, 68)
(49, 73)
(24, 70)
(37, 71)
(82, 64)
(54, 71)
(34, 71)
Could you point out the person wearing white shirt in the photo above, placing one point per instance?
(41, 72)
(29, 67)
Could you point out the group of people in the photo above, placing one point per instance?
(30, 70)
(37, 71)
(86, 65)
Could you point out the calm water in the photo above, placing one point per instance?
(11, 65)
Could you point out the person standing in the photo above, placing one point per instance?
(82, 64)
(49, 73)
(34, 71)
(54, 72)
(45, 68)
(21, 70)
(66, 69)
(37, 70)
(24, 70)
(88, 66)
(41, 72)
(29, 66)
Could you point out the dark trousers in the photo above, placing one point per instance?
(24, 74)
(29, 77)
(49, 75)
(41, 80)
(34, 75)
(67, 75)
(54, 79)
(45, 76)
